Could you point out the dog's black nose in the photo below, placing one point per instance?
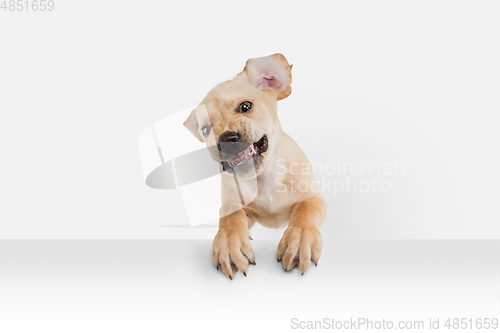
(229, 137)
(230, 144)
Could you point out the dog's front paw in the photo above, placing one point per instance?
(300, 246)
(231, 250)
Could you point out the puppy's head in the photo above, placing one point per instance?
(238, 118)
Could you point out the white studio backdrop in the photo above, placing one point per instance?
(414, 84)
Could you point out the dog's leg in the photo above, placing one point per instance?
(301, 242)
(250, 225)
(231, 246)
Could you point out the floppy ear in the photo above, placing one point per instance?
(272, 72)
(191, 124)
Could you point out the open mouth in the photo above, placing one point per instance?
(255, 149)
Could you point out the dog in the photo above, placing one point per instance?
(239, 123)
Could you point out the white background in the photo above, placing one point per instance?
(410, 82)
(404, 82)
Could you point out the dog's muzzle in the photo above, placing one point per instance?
(235, 153)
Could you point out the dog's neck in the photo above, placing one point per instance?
(271, 173)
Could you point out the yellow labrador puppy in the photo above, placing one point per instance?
(238, 121)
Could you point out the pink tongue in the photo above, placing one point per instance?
(242, 157)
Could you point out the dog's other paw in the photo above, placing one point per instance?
(231, 250)
(300, 246)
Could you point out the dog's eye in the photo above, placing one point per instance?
(206, 130)
(245, 107)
